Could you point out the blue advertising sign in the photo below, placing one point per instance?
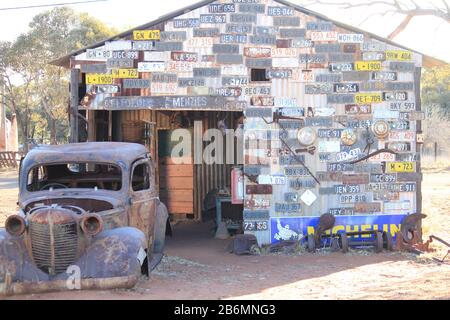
(295, 228)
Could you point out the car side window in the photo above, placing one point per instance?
(141, 177)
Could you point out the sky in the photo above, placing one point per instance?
(428, 35)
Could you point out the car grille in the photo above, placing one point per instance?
(54, 247)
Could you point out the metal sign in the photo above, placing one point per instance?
(164, 77)
(300, 183)
(259, 189)
(229, 59)
(319, 88)
(365, 98)
(163, 88)
(350, 38)
(262, 101)
(256, 225)
(400, 146)
(347, 188)
(320, 26)
(412, 116)
(258, 113)
(252, 7)
(329, 133)
(341, 211)
(374, 56)
(120, 63)
(368, 66)
(146, 35)
(256, 214)
(118, 45)
(99, 68)
(186, 23)
(382, 157)
(107, 89)
(143, 45)
(402, 66)
(213, 18)
(293, 171)
(409, 176)
(207, 72)
(340, 67)
(367, 207)
(384, 76)
(125, 73)
(258, 63)
(233, 38)
(339, 167)
(326, 77)
(327, 47)
(263, 40)
(353, 198)
(402, 135)
(279, 73)
(346, 88)
(408, 157)
(257, 52)
(185, 56)
(136, 83)
(206, 32)
(280, 11)
(169, 46)
(392, 167)
(221, 8)
(398, 55)
(242, 18)
(156, 56)
(283, 43)
(272, 179)
(151, 66)
(329, 146)
(386, 195)
(340, 57)
(301, 43)
(373, 46)
(398, 187)
(288, 207)
(225, 48)
(249, 91)
(349, 48)
(238, 28)
(397, 205)
(340, 98)
(173, 36)
(383, 177)
(348, 156)
(172, 102)
(228, 92)
(395, 96)
(356, 76)
(312, 58)
(292, 33)
(355, 178)
(324, 36)
(286, 22)
(234, 81)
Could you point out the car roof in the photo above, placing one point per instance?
(106, 152)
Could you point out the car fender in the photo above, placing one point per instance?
(118, 252)
(160, 227)
(16, 262)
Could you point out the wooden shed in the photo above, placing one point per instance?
(330, 114)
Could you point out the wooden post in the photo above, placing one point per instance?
(435, 151)
(74, 101)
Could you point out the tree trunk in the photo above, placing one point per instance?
(52, 131)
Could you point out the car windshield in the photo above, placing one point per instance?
(90, 175)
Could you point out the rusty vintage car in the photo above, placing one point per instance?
(89, 218)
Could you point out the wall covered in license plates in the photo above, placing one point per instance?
(326, 97)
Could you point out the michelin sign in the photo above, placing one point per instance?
(295, 228)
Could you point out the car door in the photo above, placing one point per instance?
(143, 198)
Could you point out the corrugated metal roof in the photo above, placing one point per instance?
(64, 61)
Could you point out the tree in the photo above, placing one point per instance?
(408, 9)
(36, 91)
(436, 91)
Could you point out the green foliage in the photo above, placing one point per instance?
(36, 91)
(436, 91)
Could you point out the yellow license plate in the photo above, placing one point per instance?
(363, 98)
(94, 78)
(392, 167)
(399, 55)
(367, 65)
(146, 35)
(125, 73)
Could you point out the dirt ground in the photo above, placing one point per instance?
(198, 267)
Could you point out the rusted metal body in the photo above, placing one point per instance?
(94, 237)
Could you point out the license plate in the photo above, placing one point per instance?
(363, 98)
(324, 36)
(339, 67)
(146, 35)
(402, 135)
(329, 146)
(257, 203)
(354, 109)
(399, 125)
(384, 76)
(151, 66)
(393, 167)
(125, 73)
(273, 180)
(342, 189)
(382, 157)
(99, 79)
(398, 55)
(395, 96)
(368, 66)
(397, 205)
(347, 156)
(255, 225)
(353, 198)
(400, 146)
(346, 88)
(382, 177)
